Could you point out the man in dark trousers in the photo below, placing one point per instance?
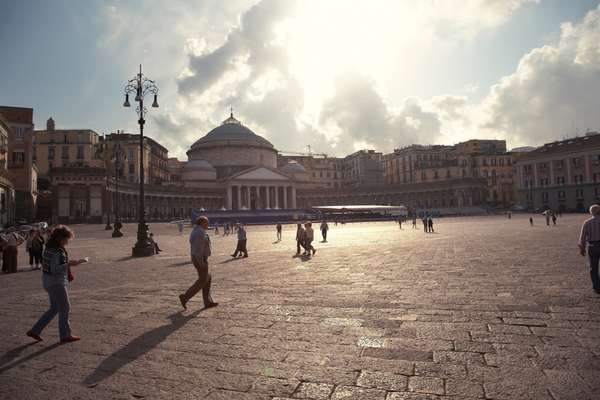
(590, 236)
(241, 243)
(300, 239)
(430, 225)
(200, 250)
(324, 230)
(425, 224)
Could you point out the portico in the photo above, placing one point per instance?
(260, 188)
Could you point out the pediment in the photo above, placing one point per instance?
(260, 174)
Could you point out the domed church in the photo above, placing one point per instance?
(233, 157)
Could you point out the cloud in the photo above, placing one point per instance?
(251, 43)
(360, 115)
(553, 90)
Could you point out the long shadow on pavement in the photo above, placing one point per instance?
(137, 348)
(14, 353)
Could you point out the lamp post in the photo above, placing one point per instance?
(141, 86)
(118, 157)
(103, 149)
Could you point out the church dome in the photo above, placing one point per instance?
(199, 165)
(232, 147)
(198, 170)
(231, 131)
(293, 167)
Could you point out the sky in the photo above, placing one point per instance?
(334, 75)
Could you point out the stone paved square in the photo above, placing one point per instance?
(486, 307)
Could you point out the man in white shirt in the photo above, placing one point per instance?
(11, 252)
(590, 235)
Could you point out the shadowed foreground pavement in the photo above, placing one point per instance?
(483, 308)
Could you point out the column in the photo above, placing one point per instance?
(239, 196)
(552, 183)
(276, 196)
(588, 170)
(535, 175)
(568, 180)
(293, 197)
(267, 190)
(229, 200)
(285, 204)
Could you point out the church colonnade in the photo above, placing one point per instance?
(260, 196)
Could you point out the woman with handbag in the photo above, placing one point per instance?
(56, 268)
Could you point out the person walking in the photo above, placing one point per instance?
(400, 222)
(200, 250)
(56, 268)
(241, 242)
(414, 222)
(216, 228)
(324, 230)
(11, 252)
(279, 229)
(553, 219)
(180, 227)
(310, 236)
(430, 225)
(531, 221)
(35, 248)
(300, 239)
(590, 236)
(425, 224)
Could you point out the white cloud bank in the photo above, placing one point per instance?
(291, 93)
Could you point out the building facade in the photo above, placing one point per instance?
(64, 148)
(322, 171)
(363, 168)
(562, 175)
(7, 189)
(487, 159)
(20, 160)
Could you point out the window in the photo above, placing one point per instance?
(19, 133)
(50, 153)
(577, 162)
(597, 192)
(18, 158)
(33, 154)
(561, 194)
(560, 180)
(545, 197)
(65, 153)
(131, 168)
(80, 152)
(579, 193)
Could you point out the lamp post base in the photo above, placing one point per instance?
(143, 247)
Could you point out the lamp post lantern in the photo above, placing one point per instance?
(141, 86)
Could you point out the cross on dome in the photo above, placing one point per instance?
(231, 119)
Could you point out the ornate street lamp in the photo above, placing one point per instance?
(141, 86)
(118, 157)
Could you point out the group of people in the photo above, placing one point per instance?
(305, 235)
(428, 224)
(9, 247)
